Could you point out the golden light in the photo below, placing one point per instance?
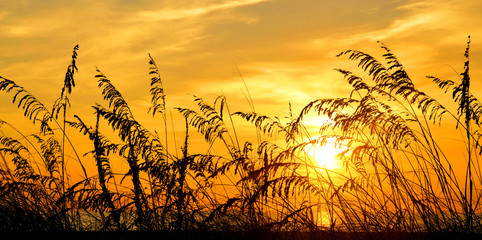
(325, 154)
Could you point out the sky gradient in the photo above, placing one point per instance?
(284, 49)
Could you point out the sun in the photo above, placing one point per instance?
(325, 156)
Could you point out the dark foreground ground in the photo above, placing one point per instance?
(194, 235)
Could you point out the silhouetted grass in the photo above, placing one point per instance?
(396, 176)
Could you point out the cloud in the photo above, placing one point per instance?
(421, 16)
(183, 13)
(19, 31)
(447, 21)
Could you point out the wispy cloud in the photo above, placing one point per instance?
(420, 16)
(182, 13)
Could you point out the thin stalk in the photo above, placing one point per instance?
(63, 150)
(467, 111)
(138, 193)
(182, 165)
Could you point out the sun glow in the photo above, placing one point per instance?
(325, 155)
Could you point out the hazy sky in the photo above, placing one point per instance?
(285, 49)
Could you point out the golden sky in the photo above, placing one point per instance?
(285, 49)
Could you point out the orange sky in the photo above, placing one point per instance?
(285, 49)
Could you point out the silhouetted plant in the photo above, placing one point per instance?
(53, 184)
(387, 125)
(395, 177)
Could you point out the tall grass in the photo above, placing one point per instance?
(396, 175)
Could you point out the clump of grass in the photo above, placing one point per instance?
(396, 176)
(27, 188)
